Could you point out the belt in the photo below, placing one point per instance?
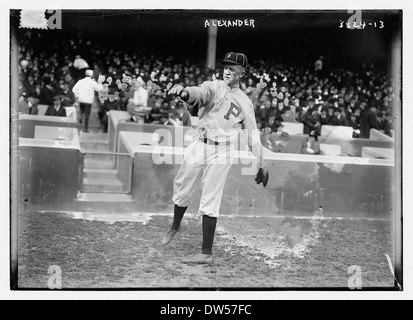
(209, 141)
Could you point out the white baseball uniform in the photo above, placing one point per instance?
(223, 112)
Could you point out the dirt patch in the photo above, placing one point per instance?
(249, 253)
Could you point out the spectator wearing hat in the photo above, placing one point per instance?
(47, 92)
(312, 121)
(267, 127)
(67, 96)
(165, 117)
(151, 100)
(280, 108)
(368, 122)
(303, 113)
(272, 122)
(384, 124)
(324, 117)
(23, 103)
(311, 103)
(33, 102)
(289, 115)
(355, 124)
(29, 84)
(357, 112)
(338, 118)
(265, 105)
(279, 139)
(361, 109)
(330, 112)
(56, 109)
(105, 107)
(273, 137)
(388, 124)
(70, 81)
(156, 112)
(261, 114)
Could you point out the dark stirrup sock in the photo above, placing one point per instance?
(178, 215)
(208, 231)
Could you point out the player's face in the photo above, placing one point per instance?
(232, 74)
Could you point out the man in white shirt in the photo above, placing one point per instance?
(140, 96)
(84, 91)
(80, 65)
(140, 100)
(318, 64)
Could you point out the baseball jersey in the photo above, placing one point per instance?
(223, 111)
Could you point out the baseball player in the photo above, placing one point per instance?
(223, 110)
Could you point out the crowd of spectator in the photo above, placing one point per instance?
(311, 92)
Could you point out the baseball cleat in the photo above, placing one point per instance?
(169, 236)
(199, 258)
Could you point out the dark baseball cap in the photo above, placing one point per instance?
(236, 58)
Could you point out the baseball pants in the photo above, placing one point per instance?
(206, 163)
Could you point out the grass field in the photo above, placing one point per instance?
(250, 252)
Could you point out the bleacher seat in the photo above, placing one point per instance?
(55, 133)
(141, 138)
(378, 153)
(379, 136)
(340, 132)
(293, 127)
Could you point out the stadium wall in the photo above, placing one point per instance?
(298, 185)
(48, 175)
(29, 123)
(176, 136)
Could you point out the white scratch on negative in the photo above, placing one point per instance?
(390, 264)
(275, 248)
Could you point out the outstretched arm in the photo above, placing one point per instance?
(201, 94)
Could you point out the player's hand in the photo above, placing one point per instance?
(176, 90)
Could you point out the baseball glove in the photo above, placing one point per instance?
(262, 176)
